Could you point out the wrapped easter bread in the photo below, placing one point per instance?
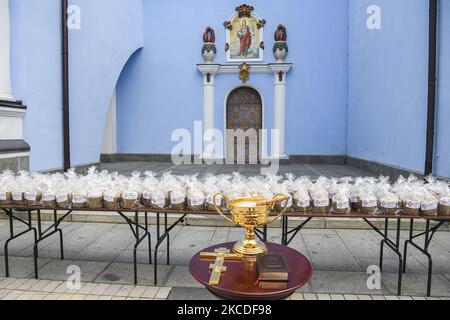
(444, 206)
(301, 201)
(320, 199)
(341, 203)
(389, 203)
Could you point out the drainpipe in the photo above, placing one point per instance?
(65, 83)
(432, 61)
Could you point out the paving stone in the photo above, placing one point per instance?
(99, 289)
(62, 288)
(105, 298)
(180, 276)
(310, 296)
(137, 292)
(191, 294)
(125, 291)
(178, 257)
(112, 289)
(78, 297)
(220, 236)
(416, 284)
(342, 282)
(27, 284)
(87, 288)
(195, 240)
(13, 295)
(375, 297)
(21, 267)
(25, 296)
(110, 244)
(15, 284)
(52, 285)
(364, 297)
(297, 296)
(82, 237)
(92, 297)
(150, 292)
(7, 281)
(391, 265)
(392, 298)
(122, 273)
(38, 296)
(305, 289)
(40, 285)
(405, 298)
(350, 297)
(126, 256)
(4, 292)
(337, 297)
(57, 269)
(163, 293)
(53, 296)
(322, 296)
(362, 243)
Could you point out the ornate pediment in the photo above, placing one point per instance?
(244, 10)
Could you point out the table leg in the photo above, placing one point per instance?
(13, 236)
(162, 238)
(386, 230)
(167, 240)
(405, 251)
(400, 258)
(430, 259)
(149, 239)
(136, 222)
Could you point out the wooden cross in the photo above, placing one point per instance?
(218, 268)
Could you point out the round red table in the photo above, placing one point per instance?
(238, 282)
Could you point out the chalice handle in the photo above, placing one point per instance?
(218, 209)
(277, 199)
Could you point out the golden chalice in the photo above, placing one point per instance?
(251, 212)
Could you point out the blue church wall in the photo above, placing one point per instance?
(351, 91)
(442, 164)
(111, 30)
(160, 89)
(36, 77)
(388, 72)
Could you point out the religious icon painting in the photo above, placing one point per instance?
(245, 36)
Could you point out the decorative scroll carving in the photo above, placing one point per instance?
(244, 10)
(244, 74)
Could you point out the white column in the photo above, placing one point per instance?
(5, 81)
(209, 71)
(279, 136)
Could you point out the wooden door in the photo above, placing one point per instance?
(244, 111)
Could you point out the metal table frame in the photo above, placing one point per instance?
(429, 233)
(40, 235)
(13, 236)
(392, 243)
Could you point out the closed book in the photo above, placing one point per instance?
(272, 267)
(273, 285)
